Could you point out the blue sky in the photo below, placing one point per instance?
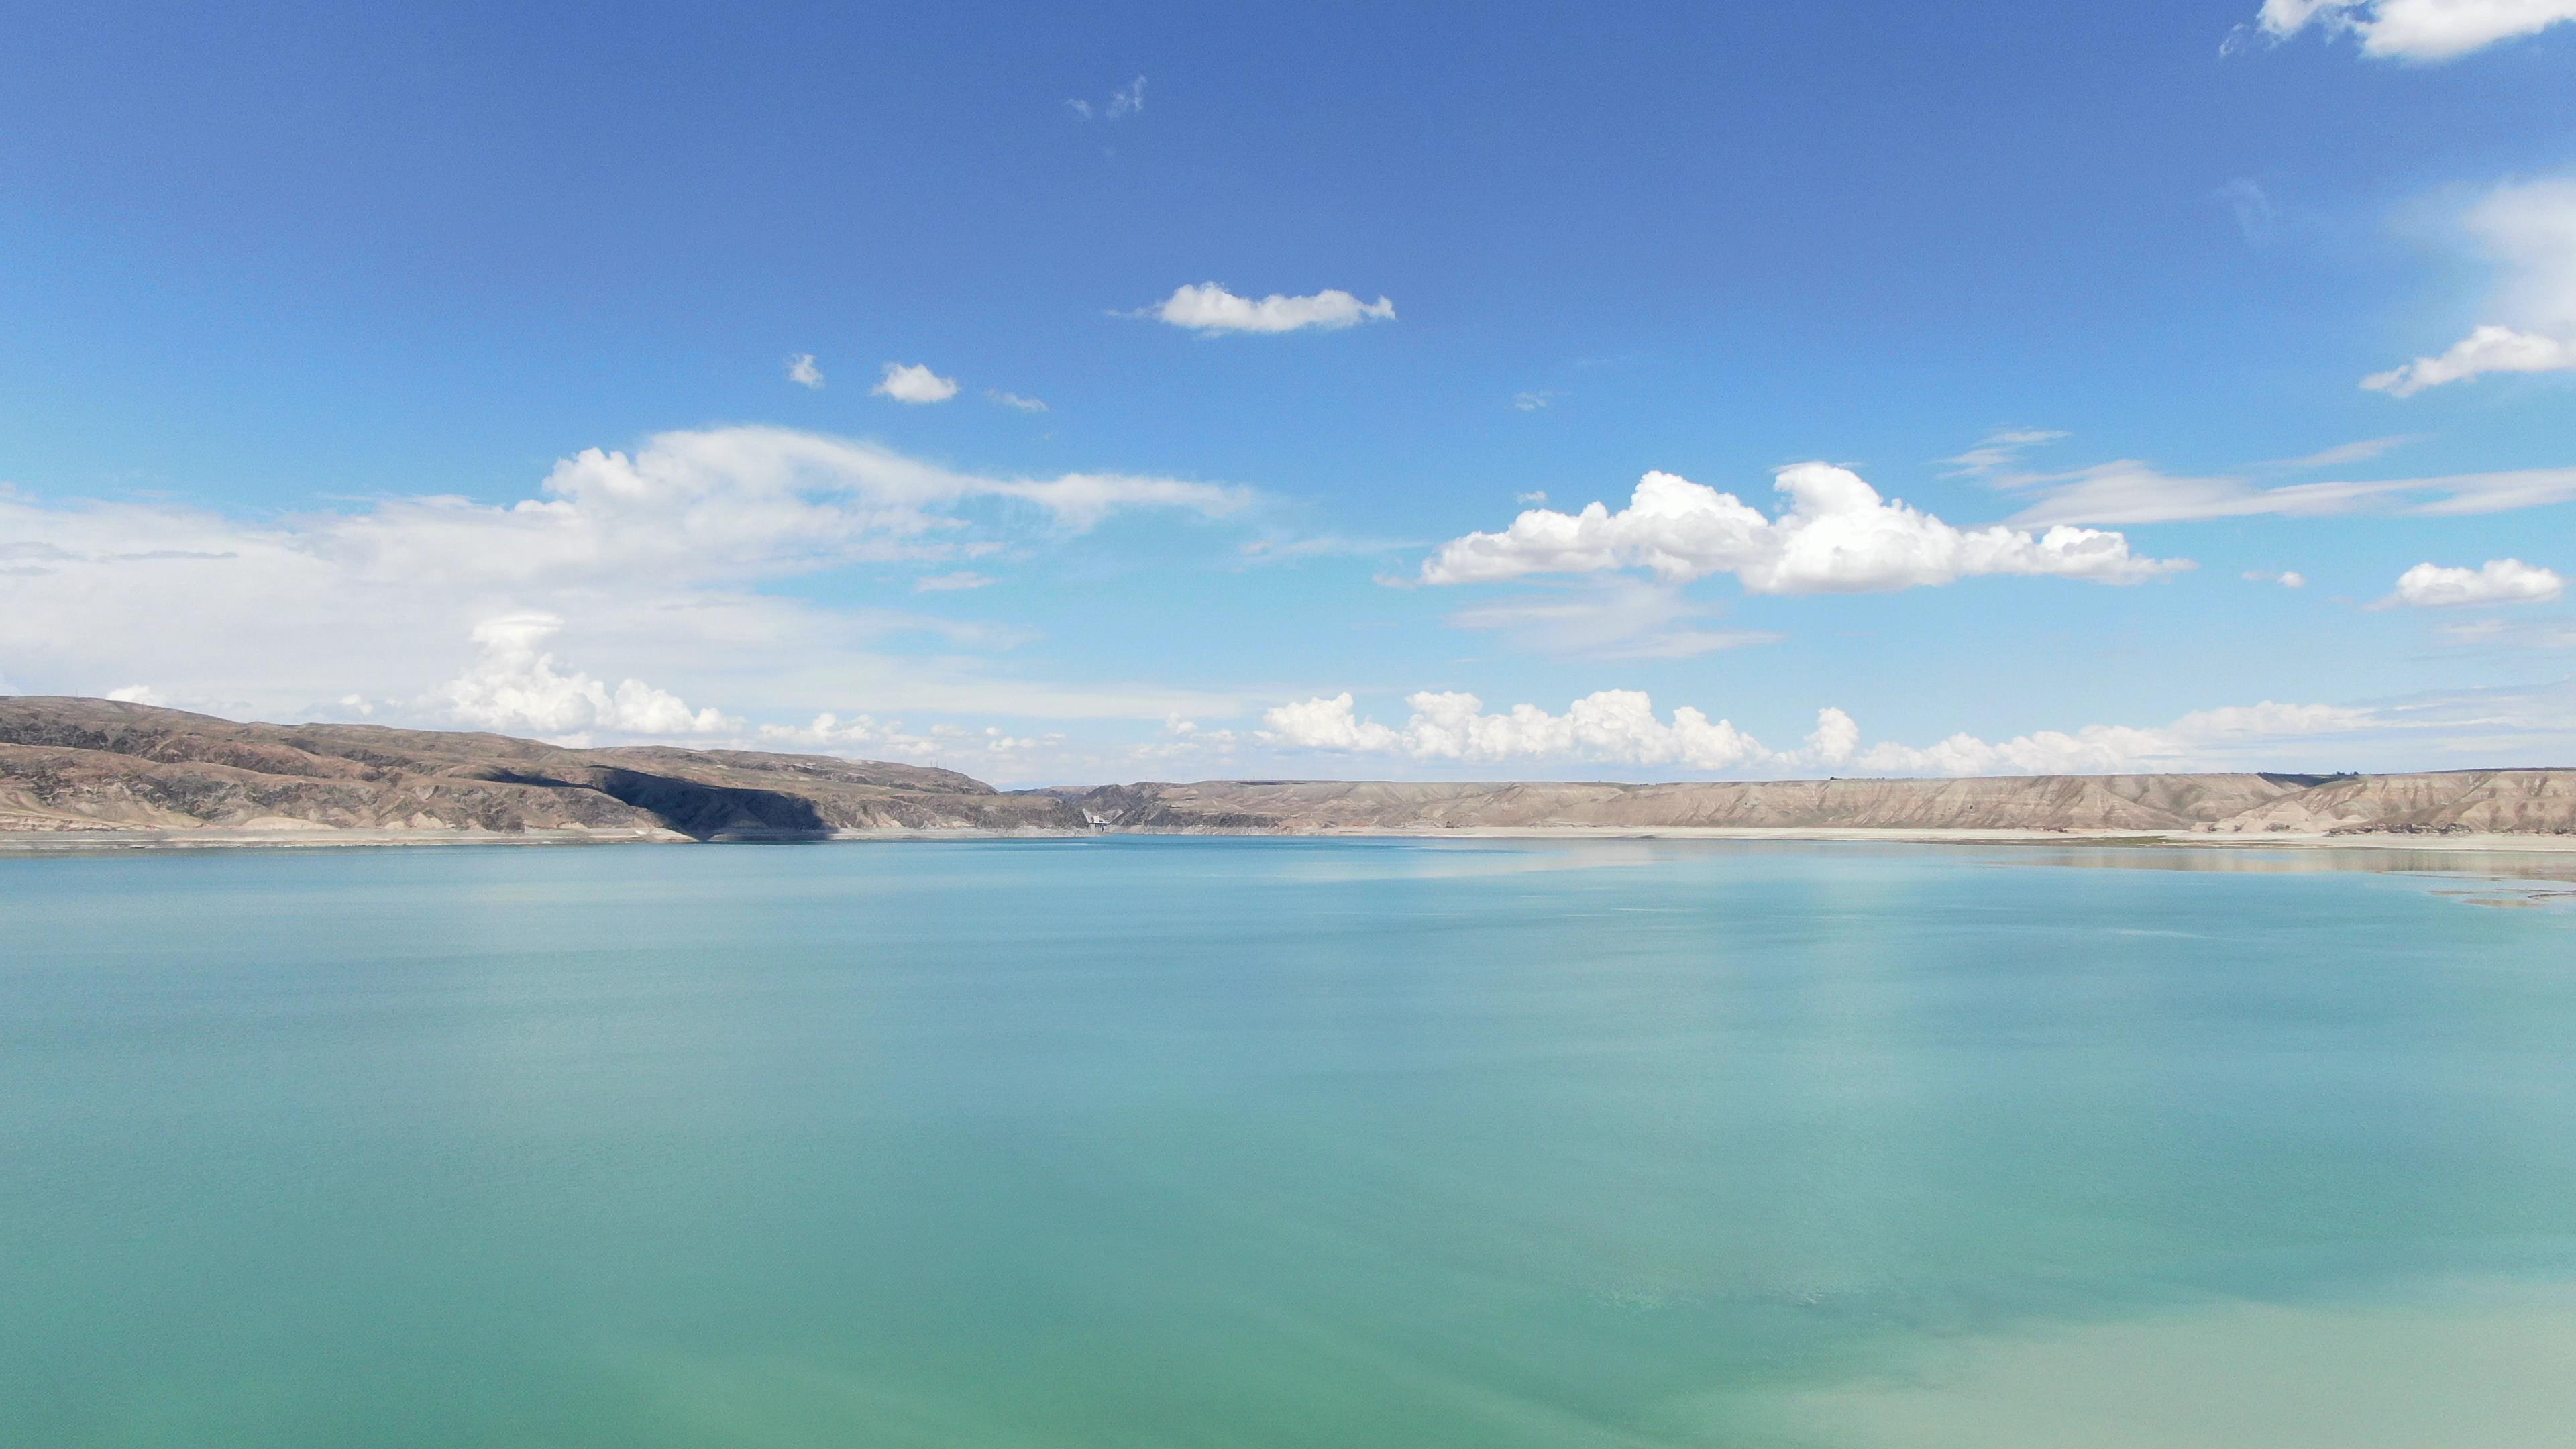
(314, 313)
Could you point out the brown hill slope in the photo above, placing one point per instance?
(2460, 802)
(2048, 802)
(96, 764)
(75, 764)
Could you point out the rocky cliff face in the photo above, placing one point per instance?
(71, 764)
(74, 764)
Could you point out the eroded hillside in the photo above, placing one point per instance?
(87, 764)
(70, 764)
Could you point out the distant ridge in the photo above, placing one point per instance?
(94, 764)
(98, 765)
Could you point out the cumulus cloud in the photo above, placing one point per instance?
(1837, 536)
(2498, 581)
(660, 554)
(2200, 739)
(1621, 727)
(2529, 231)
(1836, 737)
(1613, 726)
(914, 383)
(2286, 578)
(1210, 308)
(802, 371)
(2415, 30)
(516, 686)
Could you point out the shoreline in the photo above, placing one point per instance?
(114, 841)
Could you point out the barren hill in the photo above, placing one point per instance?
(88, 764)
(71, 764)
(2479, 801)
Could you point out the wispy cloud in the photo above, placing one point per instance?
(1609, 619)
(2252, 207)
(802, 371)
(1014, 400)
(1322, 545)
(2000, 449)
(1127, 100)
(2127, 491)
(2335, 457)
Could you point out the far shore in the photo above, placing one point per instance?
(49, 842)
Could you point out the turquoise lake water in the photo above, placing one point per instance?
(1282, 1142)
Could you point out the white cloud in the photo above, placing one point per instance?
(2000, 450)
(2129, 491)
(1615, 618)
(658, 556)
(1836, 736)
(515, 686)
(138, 694)
(1127, 100)
(2286, 578)
(859, 735)
(1289, 549)
(1613, 726)
(2251, 207)
(2416, 30)
(802, 371)
(1209, 307)
(2485, 350)
(1620, 727)
(2498, 581)
(2551, 634)
(1014, 400)
(914, 383)
(2203, 738)
(1838, 536)
(1530, 402)
(2341, 453)
(2529, 231)
(950, 583)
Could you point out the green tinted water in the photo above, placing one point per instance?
(1254, 1143)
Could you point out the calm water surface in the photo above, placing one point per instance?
(1251, 1143)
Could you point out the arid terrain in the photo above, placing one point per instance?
(135, 771)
